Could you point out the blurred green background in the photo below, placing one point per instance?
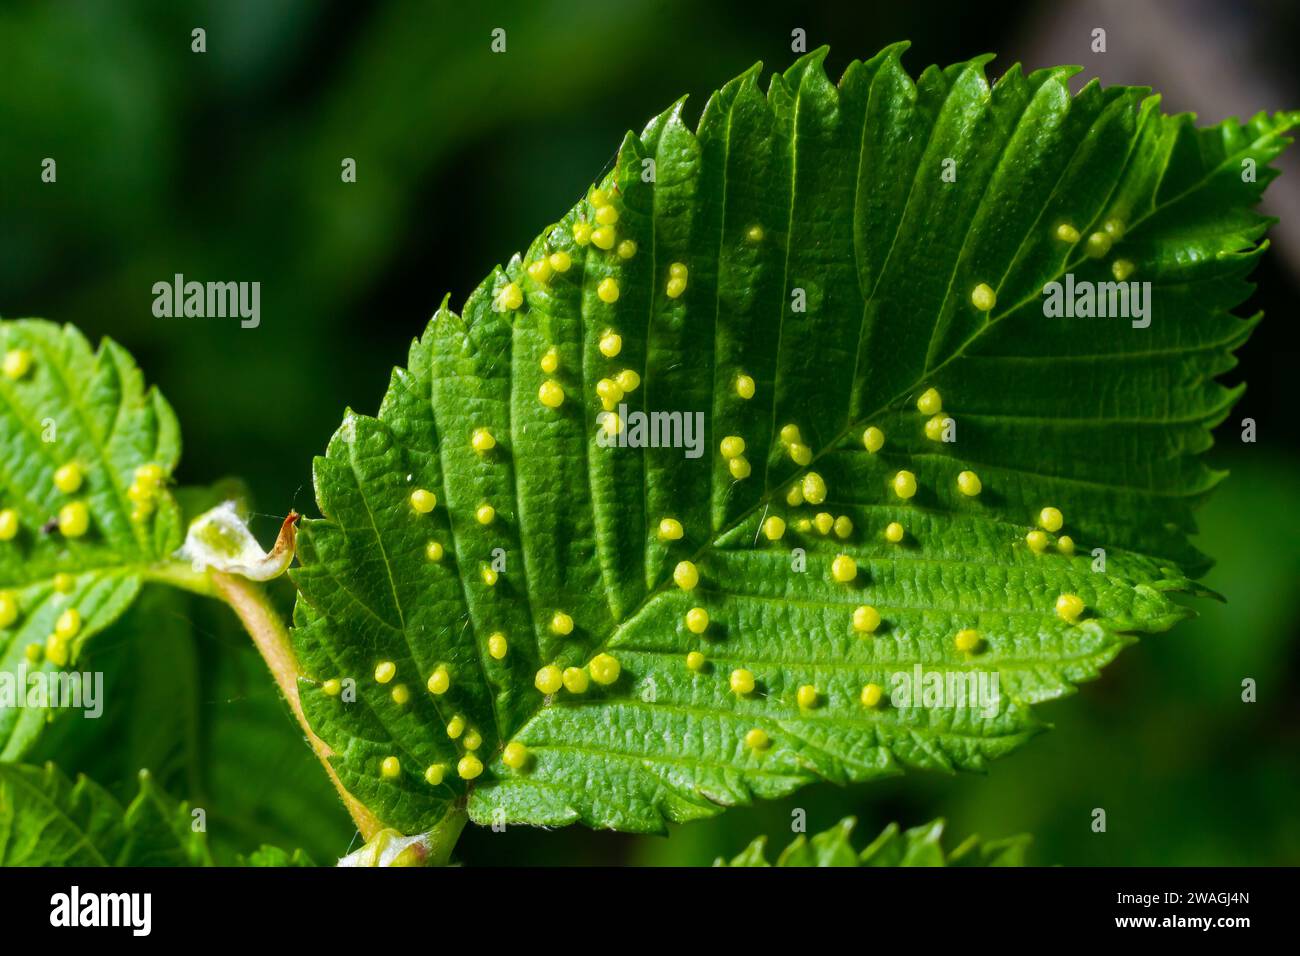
(225, 165)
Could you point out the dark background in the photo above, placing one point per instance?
(225, 165)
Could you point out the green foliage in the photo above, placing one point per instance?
(836, 192)
(45, 820)
(919, 846)
(63, 403)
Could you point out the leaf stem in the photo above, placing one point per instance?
(269, 633)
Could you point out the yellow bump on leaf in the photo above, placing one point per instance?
(794, 497)
(1069, 607)
(56, 650)
(469, 767)
(604, 237)
(498, 646)
(1065, 544)
(628, 380)
(68, 624)
(67, 478)
(1114, 228)
(561, 623)
(604, 668)
(1098, 245)
(455, 726)
(757, 739)
(608, 289)
(800, 453)
(873, 439)
(983, 297)
(611, 343)
(677, 270)
(511, 296)
(550, 360)
(560, 261)
(731, 446)
(675, 288)
(515, 755)
(439, 680)
(549, 679)
(686, 575)
(744, 387)
(551, 393)
(754, 233)
(606, 215)
(1067, 233)
(697, 620)
(773, 527)
(8, 524)
(905, 484)
(609, 392)
(969, 484)
(390, 768)
(34, 653)
(872, 694)
(967, 639)
(490, 576)
(934, 426)
(17, 363)
(472, 740)
(150, 475)
(814, 488)
(626, 249)
(843, 526)
(385, 671)
(401, 694)
(599, 197)
(482, 440)
(581, 234)
(695, 661)
(332, 687)
(540, 271)
(576, 680)
(1121, 269)
(930, 402)
(434, 551)
(803, 526)
(865, 619)
(1051, 519)
(74, 519)
(790, 434)
(1037, 541)
(64, 582)
(423, 501)
(742, 681)
(485, 514)
(807, 696)
(670, 529)
(894, 532)
(610, 423)
(8, 608)
(844, 569)
(823, 522)
(434, 773)
(739, 468)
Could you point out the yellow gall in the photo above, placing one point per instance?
(1037, 541)
(604, 668)
(549, 679)
(814, 488)
(540, 271)
(385, 671)
(865, 619)
(423, 501)
(757, 739)
(434, 773)
(967, 639)
(439, 680)
(983, 297)
(742, 681)
(905, 484)
(807, 696)
(626, 249)
(498, 646)
(551, 394)
(823, 522)
(1069, 607)
(390, 768)
(469, 767)
(68, 624)
(482, 441)
(1121, 269)
(17, 363)
(608, 289)
(515, 755)
(401, 694)
(581, 235)
(843, 526)
(873, 439)
(731, 446)
(686, 575)
(844, 569)
(894, 532)
(8, 524)
(670, 529)
(697, 620)
(872, 694)
(560, 261)
(611, 343)
(1067, 233)
(930, 402)
(550, 360)
(485, 514)
(510, 297)
(1051, 519)
(455, 726)
(8, 608)
(561, 623)
(744, 387)
(739, 468)
(576, 680)
(67, 478)
(695, 661)
(969, 484)
(606, 216)
(332, 687)
(604, 237)
(1065, 544)
(773, 527)
(800, 454)
(74, 519)
(1098, 245)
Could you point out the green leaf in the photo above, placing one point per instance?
(919, 846)
(833, 197)
(62, 403)
(45, 820)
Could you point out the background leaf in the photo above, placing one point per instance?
(795, 191)
(919, 846)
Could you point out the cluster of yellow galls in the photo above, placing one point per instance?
(1099, 243)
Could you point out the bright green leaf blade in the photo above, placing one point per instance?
(63, 403)
(919, 846)
(45, 820)
(831, 258)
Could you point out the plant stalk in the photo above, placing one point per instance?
(265, 626)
